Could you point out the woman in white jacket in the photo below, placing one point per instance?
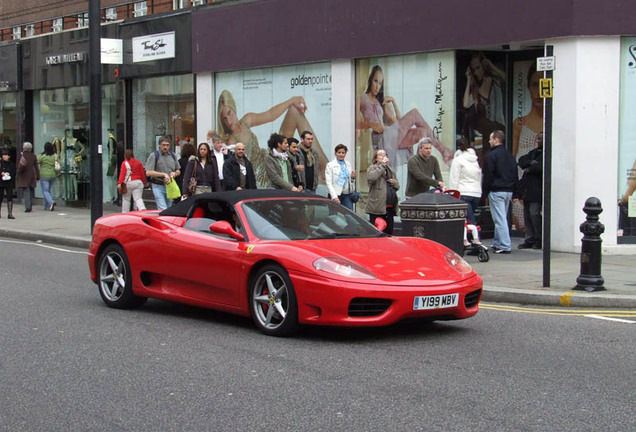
(465, 176)
(339, 177)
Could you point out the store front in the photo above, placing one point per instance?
(10, 99)
(159, 83)
(55, 77)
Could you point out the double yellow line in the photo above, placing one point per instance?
(616, 313)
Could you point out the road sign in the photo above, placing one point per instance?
(545, 87)
(545, 63)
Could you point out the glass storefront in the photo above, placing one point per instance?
(162, 106)
(61, 117)
(627, 144)
(8, 122)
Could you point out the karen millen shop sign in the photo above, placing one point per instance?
(153, 47)
(65, 58)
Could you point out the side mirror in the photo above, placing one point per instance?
(224, 227)
(380, 224)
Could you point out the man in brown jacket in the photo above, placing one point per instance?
(28, 175)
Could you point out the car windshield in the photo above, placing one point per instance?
(305, 219)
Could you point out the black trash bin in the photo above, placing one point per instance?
(435, 216)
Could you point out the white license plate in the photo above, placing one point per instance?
(436, 301)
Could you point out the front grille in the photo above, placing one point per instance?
(367, 307)
(471, 299)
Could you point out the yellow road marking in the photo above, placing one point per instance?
(550, 311)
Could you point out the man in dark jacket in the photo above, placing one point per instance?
(500, 177)
(238, 172)
(531, 191)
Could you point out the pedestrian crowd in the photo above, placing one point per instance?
(294, 165)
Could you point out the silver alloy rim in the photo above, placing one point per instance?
(112, 276)
(270, 300)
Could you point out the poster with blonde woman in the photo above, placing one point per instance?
(251, 105)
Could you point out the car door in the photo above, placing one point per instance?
(207, 267)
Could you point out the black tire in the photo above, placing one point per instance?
(273, 301)
(483, 256)
(115, 279)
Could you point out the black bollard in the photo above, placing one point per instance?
(590, 278)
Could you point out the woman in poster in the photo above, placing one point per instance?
(234, 130)
(525, 133)
(483, 96)
(525, 129)
(392, 132)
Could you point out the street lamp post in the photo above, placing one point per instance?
(95, 109)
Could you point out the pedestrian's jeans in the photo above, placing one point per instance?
(159, 191)
(345, 200)
(499, 205)
(47, 185)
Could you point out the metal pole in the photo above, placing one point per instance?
(95, 109)
(547, 176)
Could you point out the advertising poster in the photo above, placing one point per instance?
(418, 95)
(527, 114)
(481, 96)
(253, 104)
(627, 142)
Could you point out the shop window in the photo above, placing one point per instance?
(61, 117)
(141, 9)
(58, 24)
(162, 106)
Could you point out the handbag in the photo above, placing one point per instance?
(172, 190)
(122, 188)
(57, 166)
(355, 195)
(192, 185)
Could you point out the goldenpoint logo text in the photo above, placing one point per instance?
(302, 80)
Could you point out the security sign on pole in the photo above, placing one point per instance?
(545, 87)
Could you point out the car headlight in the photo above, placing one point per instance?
(342, 267)
(458, 263)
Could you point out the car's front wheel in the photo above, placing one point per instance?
(273, 301)
(115, 279)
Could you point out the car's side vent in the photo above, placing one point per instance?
(471, 299)
(367, 307)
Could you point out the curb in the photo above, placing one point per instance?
(71, 241)
(579, 299)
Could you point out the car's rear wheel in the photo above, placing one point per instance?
(115, 279)
(273, 301)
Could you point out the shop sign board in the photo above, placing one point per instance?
(153, 47)
(112, 51)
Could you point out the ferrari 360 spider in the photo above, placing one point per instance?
(283, 258)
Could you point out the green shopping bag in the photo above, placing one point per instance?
(172, 190)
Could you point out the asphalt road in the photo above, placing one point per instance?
(67, 362)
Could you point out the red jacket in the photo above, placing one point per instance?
(138, 172)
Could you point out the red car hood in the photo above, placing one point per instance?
(392, 259)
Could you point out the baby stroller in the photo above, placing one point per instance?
(472, 244)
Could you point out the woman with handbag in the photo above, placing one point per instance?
(201, 174)
(383, 187)
(339, 177)
(131, 182)
(28, 175)
(7, 180)
(47, 162)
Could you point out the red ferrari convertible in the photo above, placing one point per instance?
(283, 258)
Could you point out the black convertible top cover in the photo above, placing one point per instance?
(183, 208)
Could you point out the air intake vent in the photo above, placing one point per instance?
(367, 307)
(472, 299)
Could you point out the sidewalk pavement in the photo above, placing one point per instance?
(514, 278)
